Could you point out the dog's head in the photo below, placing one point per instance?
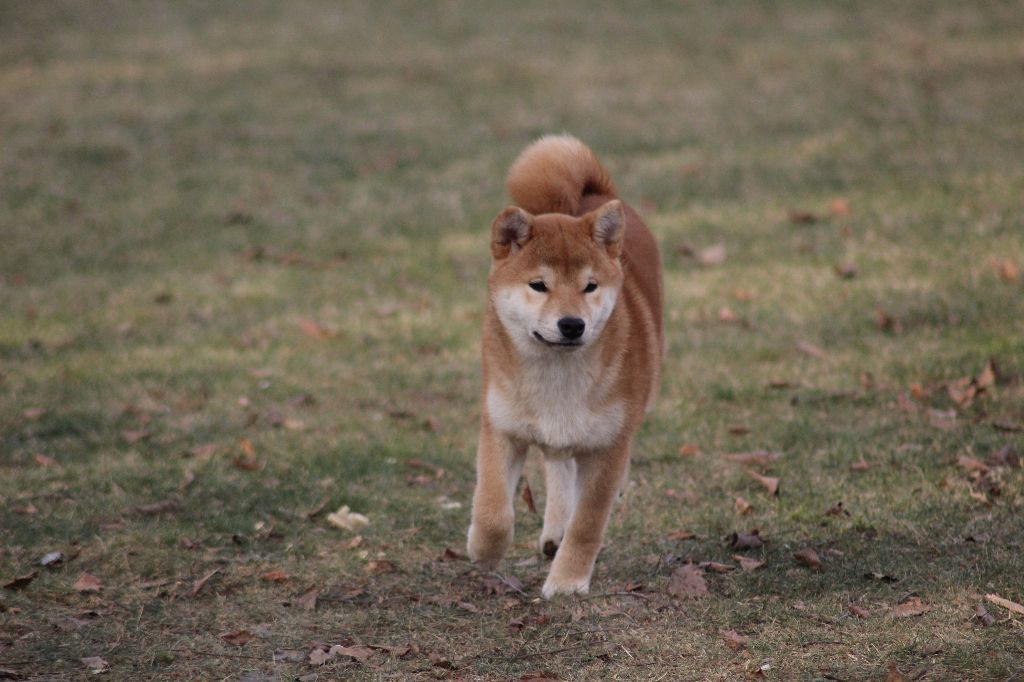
(555, 278)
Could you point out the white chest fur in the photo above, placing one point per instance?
(557, 403)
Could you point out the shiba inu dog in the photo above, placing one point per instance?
(572, 347)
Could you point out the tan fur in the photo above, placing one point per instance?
(580, 404)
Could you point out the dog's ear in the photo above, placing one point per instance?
(510, 232)
(607, 225)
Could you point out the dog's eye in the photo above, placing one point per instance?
(591, 286)
(538, 286)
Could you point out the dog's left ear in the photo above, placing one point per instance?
(510, 232)
(607, 225)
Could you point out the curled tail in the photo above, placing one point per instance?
(553, 175)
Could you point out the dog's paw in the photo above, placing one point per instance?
(487, 549)
(554, 586)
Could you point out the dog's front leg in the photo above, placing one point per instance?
(599, 479)
(499, 463)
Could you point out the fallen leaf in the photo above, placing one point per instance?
(133, 437)
(318, 656)
(379, 566)
(397, 651)
(307, 602)
(198, 585)
(755, 458)
(95, 664)
(687, 582)
(688, 450)
(846, 270)
(1007, 269)
(439, 661)
(87, 583)
(727, 315)
(839, 207)
(28, 509)
(1005, 603)
(287, 656)
(528, 497)
(44, 461)
(972, 464)
(275, 576)
(751, 540)
(738, 429)
(748, 564)
(886, 322)
(860, 465)
(716, 567)
(346, 519)
(808, 348)
(712, 255)
(800, 217)
(770, 483)
(238, 638)
(538, 676)
(742, 506)
(733, 639)
(1004, 457)
(858, 611)
(910, 608)
(354, 542)
(983, 616)
(314, 329)
(33, 413)
(942, 419)
(450, 554)
(21, 582)
(359, 653)
(52, 559)
(837, 509)
(808, 557)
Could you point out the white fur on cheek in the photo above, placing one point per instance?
(600, 311)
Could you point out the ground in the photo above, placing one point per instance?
(241, 282)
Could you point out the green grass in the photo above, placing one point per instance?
(210, 211)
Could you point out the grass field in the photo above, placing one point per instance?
(243, 263)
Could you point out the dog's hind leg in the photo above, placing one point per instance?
(559, 502)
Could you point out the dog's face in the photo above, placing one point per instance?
(555, 278)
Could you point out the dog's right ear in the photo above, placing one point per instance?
(510, 231)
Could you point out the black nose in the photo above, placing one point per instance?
(571, 327)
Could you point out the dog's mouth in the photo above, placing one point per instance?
(557, 344)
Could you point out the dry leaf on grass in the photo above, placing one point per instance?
(716, 567)
(95, 664)
(275, 576)
(199, 584)
(161, 507)
(528, 497)
(359, 653)
(87, 583)
(238, 638)
(346, 519)
(751, 540)
(307, 602)
(688, 450)
(712, 255)
(380, 566)
(801, 217)
(982, 615)
(733, 639)
(21, 582)
(910, 608)
(972, 464)
(1005, 603)
(859, 612)
(687, 582)
(1007, 269)
(748, 564)
(808, 557)
(770, 483)
(742, 506)
(52, 559)
(860, 465)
